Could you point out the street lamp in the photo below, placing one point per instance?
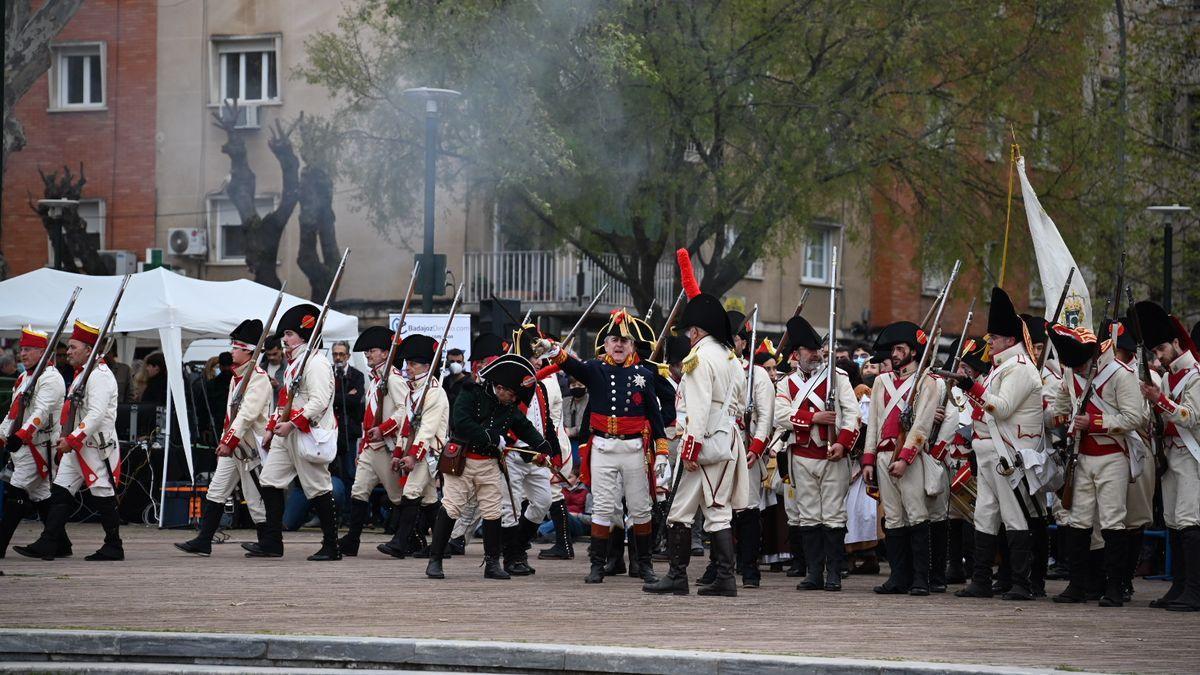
(1168, 214)
(432, 99)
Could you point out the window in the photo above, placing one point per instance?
(1043, 125)
(818, 252)
(756, 270)
(224, 221)
(77, 77)
(92, 212)
(246, 70)
(933, 281)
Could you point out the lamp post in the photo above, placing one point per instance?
(432, 99)
(1168, 214)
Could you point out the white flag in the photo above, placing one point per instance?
(1054, 261)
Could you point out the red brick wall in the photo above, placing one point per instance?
(116, 146)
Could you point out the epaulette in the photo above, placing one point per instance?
(691, 361)
(664, 370)
(732, 355)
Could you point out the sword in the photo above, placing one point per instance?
(566, 341)
(553, 469)
(512, 500)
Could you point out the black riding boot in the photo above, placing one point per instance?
(59, 506)
(210, 521)
(813, 539)
(349, 542)
(615, 556)
(725, 584)
(270, 535)
(1073, 552)
(635, 570)
(749, 540)
(1039, 556)
(679, 546)
(516, 544)
(956, 572)
(397, 546)
(64, 542)
(896, 541)
(598, 551)
(437, 544)
(643, 544)
(492, 544)
(1020, 543)
(1003, 579)
(796, 545)
(1178, 571)
(1133, 556)
(984, 551)
(1062, 550)
(1114, 567)
(327, 514)
(1189, 600)
(17, 505)
(562, 548)
(939, 535)
(110, 520)
(835, 555)
(918, 539)
(424, 527)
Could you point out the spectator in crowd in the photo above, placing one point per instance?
(217, 388)
(60, 362)
(8, 374)
(456, 365)
(122, 372)
(154, 376)
(273, 362)
(349, 387)
(574, 411)
(578, 500)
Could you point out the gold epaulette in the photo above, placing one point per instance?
(732, 355)
(664, 370)
(691, 361)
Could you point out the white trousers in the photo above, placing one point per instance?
(1101, 482)
(231, 472)
(530, 483)
(1139, 498)
(816, 492)
(374, 467)
(70, 474)
(707, 489)
(618, 470)
(25, 474)
(1181, 487)
(284, 463)
(996, 502)
(904, 498)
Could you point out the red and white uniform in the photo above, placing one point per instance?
(38, 430)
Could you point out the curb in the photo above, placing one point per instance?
(88, 650)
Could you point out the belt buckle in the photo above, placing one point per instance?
(612, 425)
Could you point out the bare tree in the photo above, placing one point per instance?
(318, 149)
(74, 251)
(262, 232)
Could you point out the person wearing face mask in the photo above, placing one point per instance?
(715, 478)
(818, 466)
(480, 423)
(456, 373)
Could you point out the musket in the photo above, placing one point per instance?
(957, 361)
(24, 398)
(1157, 427)
(575, 329)
(649, 314)
(656, 354)
(748, 415)
(78, 387)
(417, 413)
(1062, 301)
(525, 319)
(553, 469)
(235, 404)
(285, 413)
(906, 415)
(382, 388)
(799, 309)
(830, 383)
(1076, 435)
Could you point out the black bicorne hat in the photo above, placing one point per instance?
(512, 371)
(375, 337)
(1037, 327)
(301, 320)
(487, 345)
(703, 311)
(678, 347)
(972, 354)
(1003, 318)
(418, 348)
(247, 333)
(800, 333)
(900, 333)
(1074, 346)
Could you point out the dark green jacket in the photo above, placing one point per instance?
(479, 420)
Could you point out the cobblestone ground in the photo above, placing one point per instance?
(159, 588)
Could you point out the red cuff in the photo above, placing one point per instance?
(417, 451)
(975, 394)
(909, 455)
(301, 421)
(848, 437)
(398, 452)
(26, 435)
(938, 451)
(75, 440)
(689, 450)
(229, 440)
(757, 446)
(389, 427)
(802, 420)
(1165, 404)
(868, 458)
(272, 423)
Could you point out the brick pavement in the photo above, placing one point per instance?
(160, 588)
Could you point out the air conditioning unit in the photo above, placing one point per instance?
(247, 116)
(119, 263)
(187, 241)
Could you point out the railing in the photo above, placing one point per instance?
(554, 277)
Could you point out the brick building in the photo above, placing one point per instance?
(96, 106)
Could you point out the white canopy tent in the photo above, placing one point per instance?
(157, 304)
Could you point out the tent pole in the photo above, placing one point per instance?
(162, 495)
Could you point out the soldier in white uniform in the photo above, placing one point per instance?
(88, 456)
(31, 439)
(1008, 419)
(303, 444)
(1102, 469)
(816, 458)
(1178, 402)
(899, 426)
(407, 476)
(712, 458)
(238, 457)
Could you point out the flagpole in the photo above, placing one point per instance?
(1013, 151)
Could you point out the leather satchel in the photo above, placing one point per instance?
(453, 460)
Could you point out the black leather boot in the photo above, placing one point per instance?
(598, 552)
(643, 544)
(679, 546)
(350, 541)
(516, 547)
(492, 544)
(918, 546)
(1039, 556)
(1095, 579)
(563, 549)
(1133, 557)
(327, 513)
(796, 545)
(631, 546)
(110, 520)
(1062, 551)
(813, 540)
(956, 572)
(1003, 580)
(1114, 567)
(835, 555)
(1073, 552)
(64, 542)
(615, 558)
(437, 544)
(17, 505)
(425, 525)
(1178, 571)
(710, 570)
(59, 506)
(270, 535)
(983, 552)
(1189, 600)
(939, 536)
(749, 541)
(397, 546)
(725, 585)
(1020, 553)
(210, 521)
(898, 556)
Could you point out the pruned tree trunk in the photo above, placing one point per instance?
(317, 231)
(262, 232)
(73, 250)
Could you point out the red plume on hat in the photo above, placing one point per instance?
(1185, 338)
(686, 274)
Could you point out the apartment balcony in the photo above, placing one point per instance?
(554, 281)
